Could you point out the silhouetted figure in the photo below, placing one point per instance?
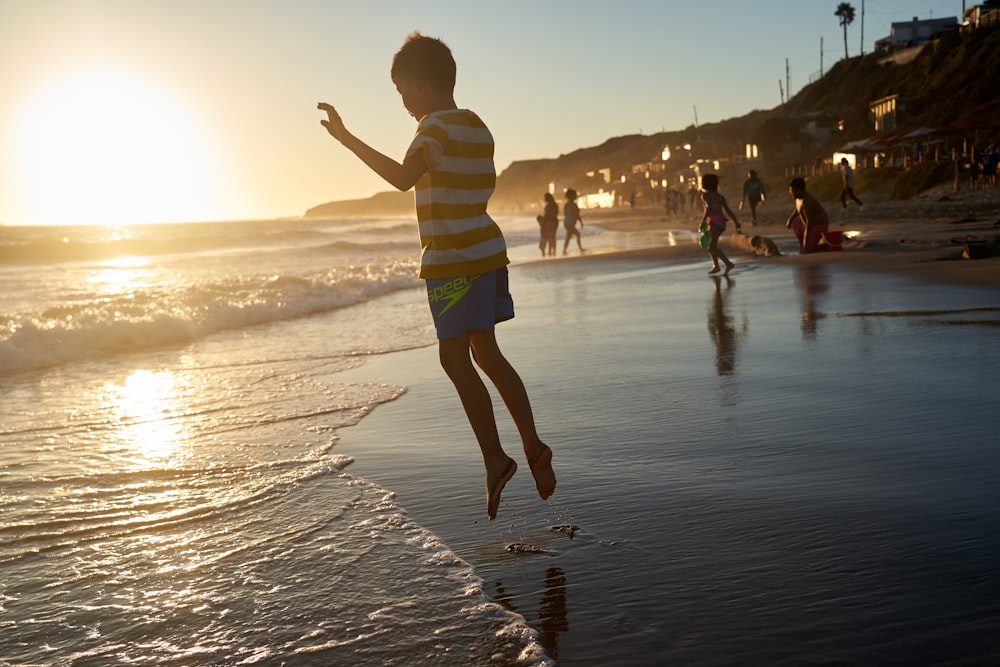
(464, 255)
(716, 210)
(571, 216)
(848, 180)
(548, 223)
(809, 220)
(753, 193)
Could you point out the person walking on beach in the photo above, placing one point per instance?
(847, 179)
(716, 210)
(548, 223)
(753, 193)
(464, 256)
(809, 220)
(571, 216)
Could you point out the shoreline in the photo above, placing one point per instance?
(695, 493)
(922, 238)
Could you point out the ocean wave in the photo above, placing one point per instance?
(311, 539)
(47, 245)
(155, 316)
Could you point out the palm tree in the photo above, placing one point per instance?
(845, 12)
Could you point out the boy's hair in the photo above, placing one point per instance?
(798, 183)
(710, 182)
(425, 58)
(571, 194)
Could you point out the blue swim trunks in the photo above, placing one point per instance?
(469, 303)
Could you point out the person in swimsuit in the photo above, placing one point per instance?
(716, 212)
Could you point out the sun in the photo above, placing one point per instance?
(100, 147)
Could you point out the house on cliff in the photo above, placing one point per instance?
(911, 33)
(981, 16)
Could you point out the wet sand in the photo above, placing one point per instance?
(793, 464)
(922, 238)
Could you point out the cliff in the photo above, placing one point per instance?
(950, 83)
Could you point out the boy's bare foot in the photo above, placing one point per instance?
(541, 470)
(714, 269)
(494, 487)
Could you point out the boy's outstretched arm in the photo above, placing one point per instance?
(400, 176)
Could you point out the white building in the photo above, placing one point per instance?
(909, 33)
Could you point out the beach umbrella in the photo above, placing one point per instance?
(922, 132)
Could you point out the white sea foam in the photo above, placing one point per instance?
(59, 311)
(178, 496)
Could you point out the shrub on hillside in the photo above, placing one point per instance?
(921, 177)
(825, 187)
(881, 180)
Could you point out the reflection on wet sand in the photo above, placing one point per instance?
(552, 611)
(720, 325)
(814, 281)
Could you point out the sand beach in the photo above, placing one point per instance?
(251, 453)
(794, 464)
(923, 237)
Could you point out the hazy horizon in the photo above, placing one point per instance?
(132, 112)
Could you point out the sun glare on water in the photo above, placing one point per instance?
(120, 275)
(145, 409)
(102, 148)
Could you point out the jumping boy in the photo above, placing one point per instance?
(464, 256)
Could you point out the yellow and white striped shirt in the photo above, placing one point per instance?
(457, 235)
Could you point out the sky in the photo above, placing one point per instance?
(130, 111)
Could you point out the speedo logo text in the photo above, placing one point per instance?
(451, 291)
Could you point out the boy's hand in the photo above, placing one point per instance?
(333, 124)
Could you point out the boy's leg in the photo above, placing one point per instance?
(489, 357)
(457, 364)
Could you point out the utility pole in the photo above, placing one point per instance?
(821, 57)
(696, 116)
(788, 80)
(862, 27)
(782, 91)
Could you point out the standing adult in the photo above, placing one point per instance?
(571, 216)
(847, 178)
(548, 223)
(990, 167)
(754, 192)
